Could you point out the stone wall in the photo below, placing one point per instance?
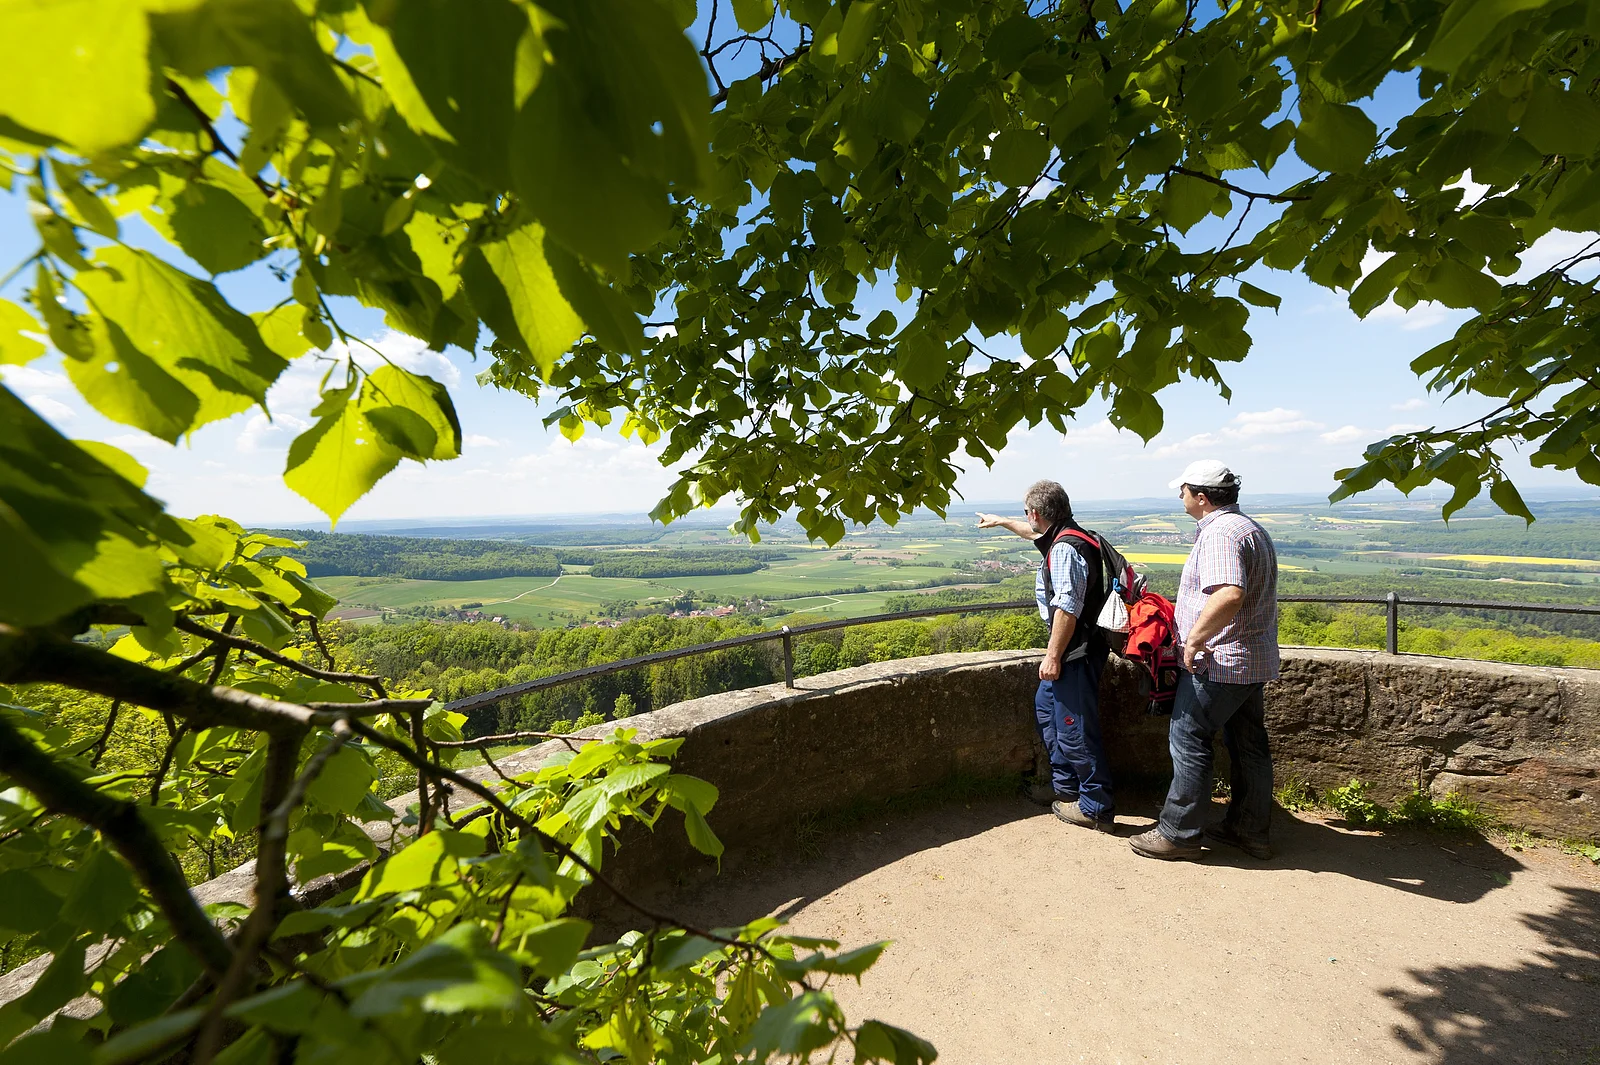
(1524, 740)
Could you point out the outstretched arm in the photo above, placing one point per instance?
(1019, 526)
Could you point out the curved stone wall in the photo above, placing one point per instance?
(1524, 740)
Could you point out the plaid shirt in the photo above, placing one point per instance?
(1069, 576)
(1230, 548)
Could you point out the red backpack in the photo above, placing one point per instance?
(1146, 633)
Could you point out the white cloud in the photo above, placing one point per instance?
(1100, 432)
(1403, 427)
(138, 442)
(52, 409)
(1414, 403)
(1424, 315)
(479, 440)
(263, 434)
(668, 330)
(407, 352)
(32, 379)
(1347, 434)
(1274, 422)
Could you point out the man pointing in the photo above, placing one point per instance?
(1227, 619)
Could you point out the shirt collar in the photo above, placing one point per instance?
(1231, 508)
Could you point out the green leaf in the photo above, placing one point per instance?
(1042, 341)
(436, 240)
(88, 207)
(68, 331)
(1334, 137)
(546, 323)
(851, 963)
(1138, 411)
(1186, 200)
(1376, 287)
(129, 387)
(456, 71)
(1466, 25)
(126, 466)
(432, 860)
(550, 949)
(145, 1039)
(700, 835)
(860, 21)
(1507, 498)
(345, 779)
(684, 952)
(1259, 297)
(459, 971)
(280, 331)
(682, 791)
(619, 118)
(58, 1045)
(77, 71)
(71, 527)
(185, 326)
(16, 349)
(213, 227)
(30, 906)
(876, 1041)
(1455, 284)
(339, 459)
(794, 1028)
(1016, 156)
(412, 413)
(752, 15)
(270, 35)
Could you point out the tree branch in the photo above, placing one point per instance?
(32, 655)
(1271, 197)
(769, 68)
(240, 643)
(126, 830)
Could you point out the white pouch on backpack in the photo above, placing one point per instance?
(1114, 615)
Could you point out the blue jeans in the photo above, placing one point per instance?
(1199, 709)
(1067, 711)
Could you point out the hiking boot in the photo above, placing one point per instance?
(1153, 844)
(1222, 832)
(1073, 814)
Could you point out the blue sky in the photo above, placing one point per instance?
(1319, 385)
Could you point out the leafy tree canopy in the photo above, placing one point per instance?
(542, 180)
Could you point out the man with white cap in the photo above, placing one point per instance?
(1227, 619)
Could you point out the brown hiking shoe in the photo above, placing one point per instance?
(1072, 814)
(1222, 832)
(1153, 844)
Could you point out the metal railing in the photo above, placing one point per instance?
(1392, 603)
(786, 635)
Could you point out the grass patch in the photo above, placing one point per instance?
(1418, 808)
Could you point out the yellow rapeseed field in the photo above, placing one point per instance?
(1520, 560)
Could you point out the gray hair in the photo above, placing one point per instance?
(1050, 500)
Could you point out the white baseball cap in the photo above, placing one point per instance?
(1207, 473)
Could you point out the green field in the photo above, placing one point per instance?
(1393, 543)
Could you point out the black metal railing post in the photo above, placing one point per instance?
(1392, 607)
(788, 659)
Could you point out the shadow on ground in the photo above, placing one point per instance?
(1545, 1010)
(1459, 867)
(1452, 866)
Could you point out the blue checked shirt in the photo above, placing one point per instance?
(1230, 548)
(1069, 576)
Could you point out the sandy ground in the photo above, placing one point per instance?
(1017, 938)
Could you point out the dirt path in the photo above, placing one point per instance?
(530, 591)
(1020, 939)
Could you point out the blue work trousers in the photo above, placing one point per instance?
(1067, 711)
(1199, 709)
